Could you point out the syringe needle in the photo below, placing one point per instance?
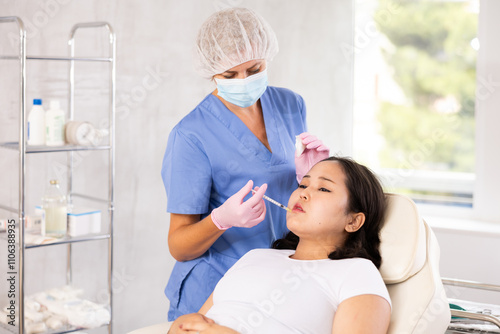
(274, 202)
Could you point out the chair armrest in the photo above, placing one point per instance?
(476, 316)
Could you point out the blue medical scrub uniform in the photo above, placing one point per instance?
(210, 155)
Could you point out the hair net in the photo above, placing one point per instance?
(231, 37)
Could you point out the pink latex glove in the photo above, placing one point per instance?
(313, 152)
(235, 212)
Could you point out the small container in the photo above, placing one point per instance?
(56, 211)
(83, 221)
(54, 125)
(36, 124)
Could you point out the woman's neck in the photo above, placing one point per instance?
(315, 249)
(251, 116)
(309, 252)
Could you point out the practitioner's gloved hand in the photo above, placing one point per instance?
(309, 150)
(235, 212)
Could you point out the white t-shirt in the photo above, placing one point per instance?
(268, 292)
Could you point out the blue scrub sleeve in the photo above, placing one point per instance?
(186, 174)
(303, 111)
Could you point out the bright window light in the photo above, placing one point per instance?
(414, 96)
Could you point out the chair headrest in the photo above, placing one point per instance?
(402, 240)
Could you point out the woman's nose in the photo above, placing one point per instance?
(304, 195)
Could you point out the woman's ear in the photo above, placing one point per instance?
(357, 220)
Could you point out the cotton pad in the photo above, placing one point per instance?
(299, 146)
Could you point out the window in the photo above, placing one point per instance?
(415, 92)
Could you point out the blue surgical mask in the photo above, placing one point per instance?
(243, 92)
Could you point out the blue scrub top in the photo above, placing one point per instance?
(210, 155)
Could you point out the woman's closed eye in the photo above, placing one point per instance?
(254, 71)
(322, 189)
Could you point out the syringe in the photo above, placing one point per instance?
(274, 202)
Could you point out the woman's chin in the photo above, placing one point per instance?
(294, 224)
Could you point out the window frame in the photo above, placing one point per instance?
(487, 183)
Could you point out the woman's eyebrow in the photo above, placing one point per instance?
(320, 177)
(326, 179)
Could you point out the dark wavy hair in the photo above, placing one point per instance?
(366, 196)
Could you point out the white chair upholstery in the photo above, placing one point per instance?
(410, 269)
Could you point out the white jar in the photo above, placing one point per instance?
(54, 125)
(36, 124)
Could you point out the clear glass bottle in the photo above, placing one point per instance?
(56, 210)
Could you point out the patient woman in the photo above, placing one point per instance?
(322, 277)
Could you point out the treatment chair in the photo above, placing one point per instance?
(410, 269)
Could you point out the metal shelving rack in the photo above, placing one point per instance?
(23, 149)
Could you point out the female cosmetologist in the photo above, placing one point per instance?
(241, 134)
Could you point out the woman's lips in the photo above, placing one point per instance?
(298, 208)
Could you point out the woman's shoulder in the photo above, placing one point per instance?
(283, 93)
(351, 267)
(361, 277)
(358, 263)
(359, 269)
(196, 116)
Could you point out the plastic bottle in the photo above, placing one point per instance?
(36, 124)
(54, 125)
(56, 210)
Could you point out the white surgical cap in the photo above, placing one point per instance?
(231, 37)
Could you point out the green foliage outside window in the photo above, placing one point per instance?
(434, 64)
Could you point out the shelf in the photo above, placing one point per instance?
(19, 146)
(66, 329)
(65, 240)
(91, 59)
(51, 149)
(72, 240)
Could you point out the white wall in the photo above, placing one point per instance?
(469, 254)
(156, 87)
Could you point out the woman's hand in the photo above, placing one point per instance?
(192, 318)
(206, 328)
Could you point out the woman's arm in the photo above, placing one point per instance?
(362, 315)
(189, 237)
(208, 304)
